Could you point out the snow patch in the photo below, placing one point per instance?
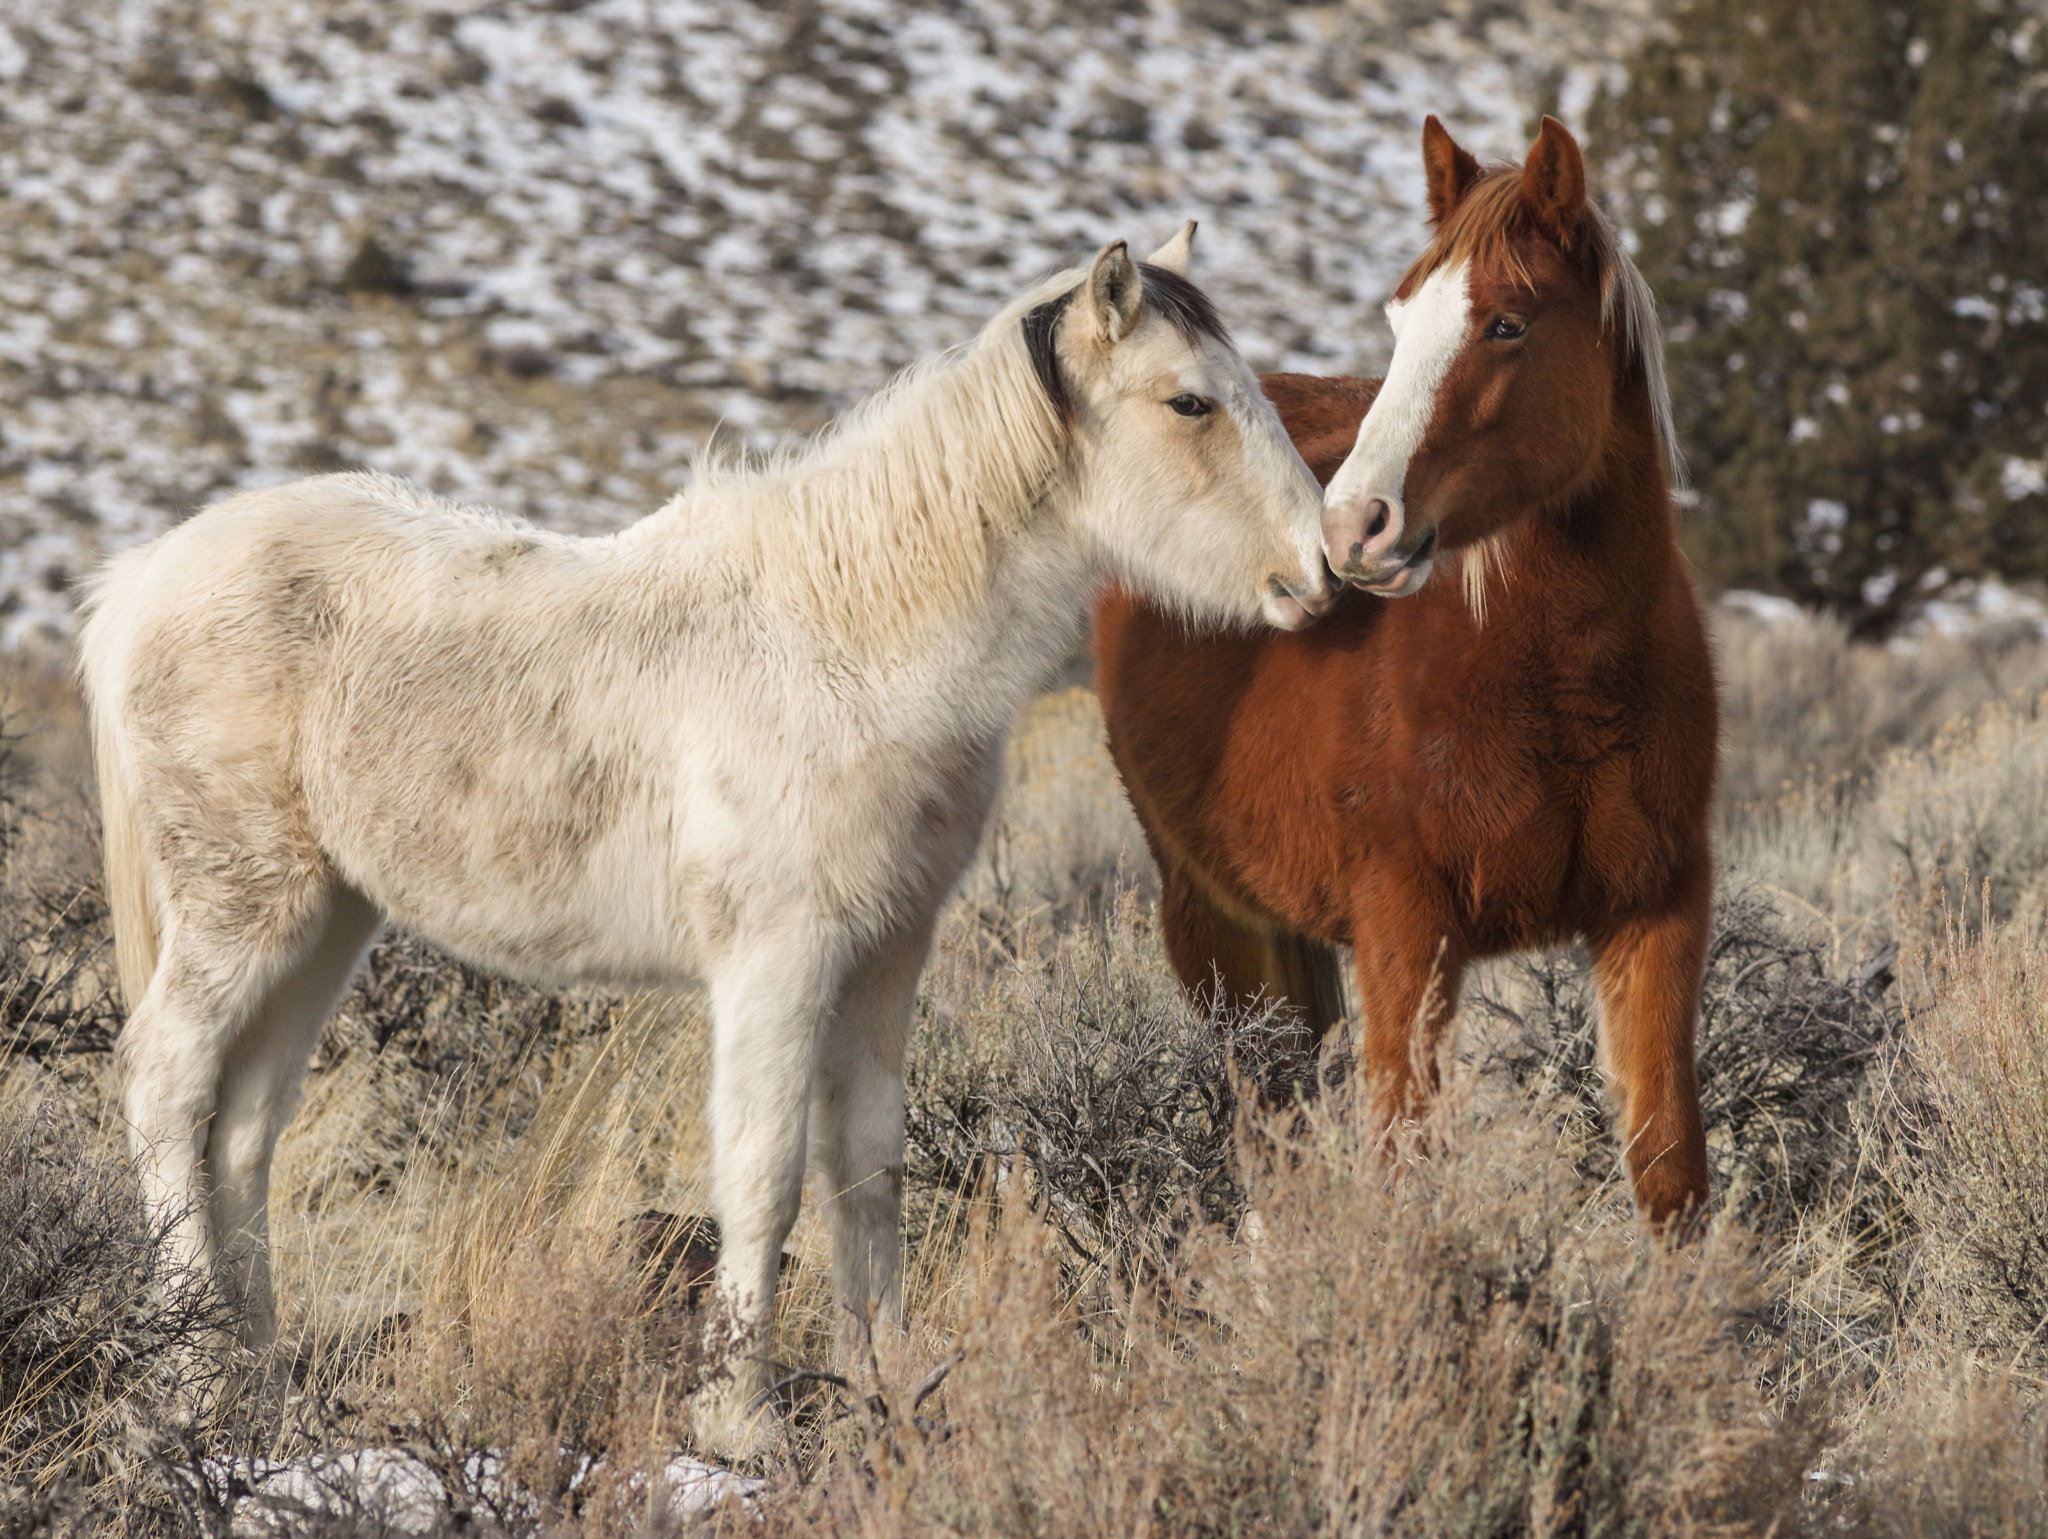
(682, 210)
(405, 1495)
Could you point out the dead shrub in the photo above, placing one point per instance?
(1974, 1150)
(1957, 824)
(1803, 706)
(107, 1359)
(1079, 1064)
(1786, 1043)
(448, 1028)
(57, 997)
(554, 1397)
(1947, 1456)
(1475, 1346)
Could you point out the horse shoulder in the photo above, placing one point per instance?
(1681, 750)
(1636, 717)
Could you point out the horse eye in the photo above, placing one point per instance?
(1505, 328)
(1190, 405)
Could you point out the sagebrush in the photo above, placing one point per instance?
(1138, 1302)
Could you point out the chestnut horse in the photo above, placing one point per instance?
(1521, 758)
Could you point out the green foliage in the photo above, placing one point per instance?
(1843, 208)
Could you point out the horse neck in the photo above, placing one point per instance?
(909, 525)
(1616, 538)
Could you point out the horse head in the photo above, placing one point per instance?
(1185, 479)
(1517, 337)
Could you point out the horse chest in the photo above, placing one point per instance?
(1527, 805)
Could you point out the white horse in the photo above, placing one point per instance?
(749, 742)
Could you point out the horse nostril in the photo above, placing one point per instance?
(1379, 511)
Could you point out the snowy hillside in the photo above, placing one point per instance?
(532, 253)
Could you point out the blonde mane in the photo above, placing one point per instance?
(887, 521)
(1478, 564)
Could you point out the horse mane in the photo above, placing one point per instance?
(1487, 228)
(886, 520)
(1180, 304)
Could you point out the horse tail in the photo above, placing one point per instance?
(100, 670)
(134, 917)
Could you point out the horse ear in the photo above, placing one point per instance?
(1450, 170)
(1113, 294)
(1554, 179)
(1173, 256)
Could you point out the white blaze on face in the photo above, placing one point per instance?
(1429, 332)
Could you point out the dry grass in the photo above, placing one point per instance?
(1477, 1345)
(1978, 1189)
(1856, 776)
(1803, 707)
(101, 1353)
(1152, 1315)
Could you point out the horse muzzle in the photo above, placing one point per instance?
(1289, 607)
(1363, 536)
(1398, 572)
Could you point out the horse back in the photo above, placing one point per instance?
(1321, 415)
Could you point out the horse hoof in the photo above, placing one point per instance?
(732, 1422)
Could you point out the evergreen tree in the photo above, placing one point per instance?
(1843, 208)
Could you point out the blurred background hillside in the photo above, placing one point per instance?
(535, 252)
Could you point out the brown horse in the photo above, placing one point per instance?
(1521, 758)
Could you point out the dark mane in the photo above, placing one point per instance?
(1180, 304)
(1041, 333)
(1183, 306)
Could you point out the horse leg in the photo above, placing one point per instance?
(1649, 971)
(857, 1130)
(1234, 967)
(766, 1008)
(260, 1082)
(172, 1059)
(1410, 970)
(167, 1060)
(1304, 974)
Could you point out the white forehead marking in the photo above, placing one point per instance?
(1429, 332)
